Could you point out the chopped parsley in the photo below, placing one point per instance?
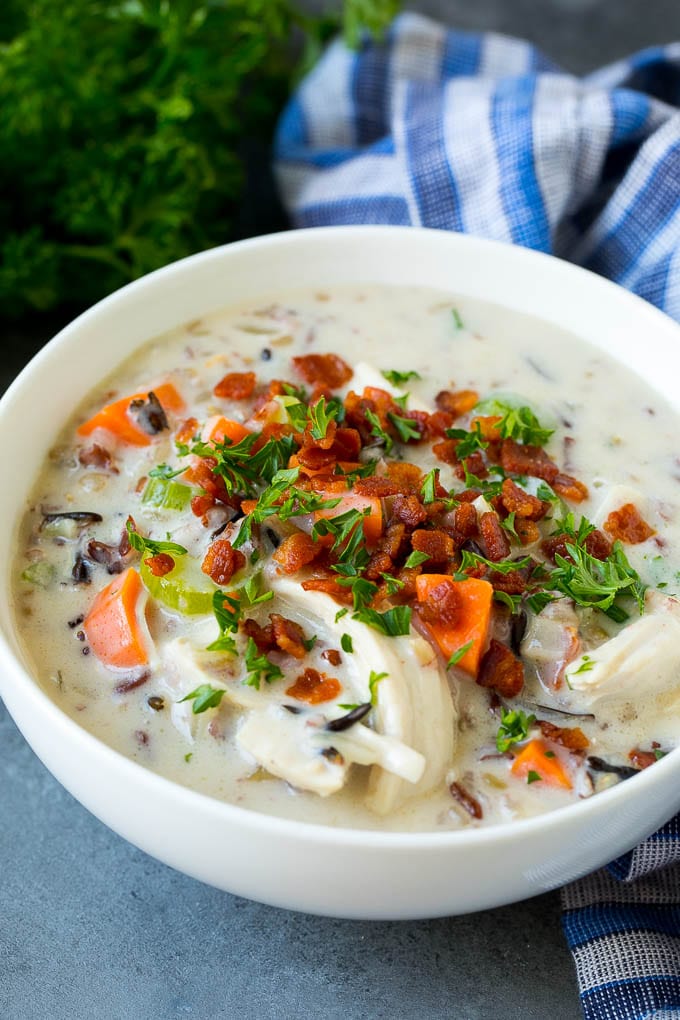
(586, 665)
(468, 442)
(151, 547)
(533, 777)
(204, 697)
(373, 681)
(598, 583)
(320, 417)
(458, 654)
(457, 321)
(394, 622)
(406, 427)
(165, 471)
(428, 489)
(259, 667)
(514, 728)
(471, 559)
(281, 499)
(399, 378)
(340, 613)
(416, 558)
(518, 423)
(346, 643)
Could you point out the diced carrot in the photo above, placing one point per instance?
(116, 420)
(373, 522)
(218, 428)
(472, 623)
(536, 757)
(115, 626)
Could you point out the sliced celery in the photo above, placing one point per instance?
(41, 574)
(166, 494)
(185, 589)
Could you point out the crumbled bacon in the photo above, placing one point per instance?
(573, 738)
(325, 441)
(465, 521)
(435, 543)
(327, 370)
(474, 464)
(186, 430)
(380, 563)
(315, 457)
(439, 422)
(201, 504)
(160, 564)
(222, 561)
(331, 587)
(409, 510)
(236, 386)
(501, 670)
(347, 445)
(296, 552)
(442, 605)
(627, 525)
(374, 486)
(466, 801)
(495, 539)
(262, 636)
(314, 687)
(528, 460)
(527, 531)
(332, 655)
(288, 635)
(98, 457)
(596, 544)
(446, 451)
(488, 427)
(393, 541)
(513, 583)
(570, 488)
(456, 403)
(407, 476)
(521, 503)
(642, 759)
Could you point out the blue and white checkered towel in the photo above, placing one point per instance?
(483, 134)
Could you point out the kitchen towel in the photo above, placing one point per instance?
(483, 134)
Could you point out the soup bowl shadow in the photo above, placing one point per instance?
(339, 872)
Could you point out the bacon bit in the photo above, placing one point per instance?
(442, 604)
(627, 525)
(222, 561)
(347, 445)
(314, 687)
(570, 488)
(186, 430)
(596, 544)
(501, 670)
(407, 587)
(201, 473)
(296, 552)
(488, 427)
(331, 587)
(573, 738)
(316, 458)
(457, 403)
(528, 460)
(466, 801)
(288, 635)
(379, 563)
(465, 521)
(326, 441)
(248, 505)
(407, 476)
(160, 564)
(201, 504)
(392, 542)
(323, 369)
(332, 655)
(642, 759)
(513, 583)
(236, 386)
(262, 636)
(495, 539)
(527, 531)
(439, 422)
(446, 451)
(380, 487)
(437, 544)
(409, 510)
(474, 464)
(516, 500)
(99, 457)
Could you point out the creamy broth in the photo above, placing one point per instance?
(612, 433)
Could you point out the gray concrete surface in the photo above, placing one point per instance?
(92, 929)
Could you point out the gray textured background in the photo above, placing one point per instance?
(92, 928)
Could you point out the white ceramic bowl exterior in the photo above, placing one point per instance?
(344, 873)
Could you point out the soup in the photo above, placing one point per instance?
(372, 557)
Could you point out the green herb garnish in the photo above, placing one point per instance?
(204, 697)
(458, 654)
(399, 378)
(373, 681)
(533, 777)
(514, 728)
(259, 667)
(346, 643)
(416, 558)
(393, 623)
(518, 423)
(151, 547)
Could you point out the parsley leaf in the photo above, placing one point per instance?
(416, 558)
(468, 442)
(458, 322)
(471, 559)
(533, 777)
(517, 422)
(346, 643)
(428, 489)
(378, 432)
(458, 654)
(151, 547)
(204, 697)
(393, 623)
(320, 417)
(259, 667)
(227, 621)
(373, 681)
(399, 378)
(406, 427)
(597, 583)
(514, 727)
(165, 471)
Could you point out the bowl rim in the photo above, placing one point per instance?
(243, 817)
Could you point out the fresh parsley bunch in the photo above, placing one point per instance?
(122, 130)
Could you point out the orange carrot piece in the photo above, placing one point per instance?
(536, 757)
(472, 624)
(373, 522)
(217, 429)
(115, 626)
(116, 420)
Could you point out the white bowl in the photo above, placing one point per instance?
(341, 872)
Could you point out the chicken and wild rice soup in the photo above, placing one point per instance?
(371, 557)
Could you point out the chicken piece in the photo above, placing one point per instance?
(641, 661)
